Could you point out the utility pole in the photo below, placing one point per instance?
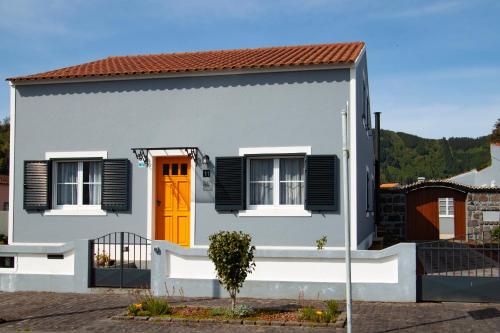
(347, 224)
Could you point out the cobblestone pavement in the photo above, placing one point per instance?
(49, 312)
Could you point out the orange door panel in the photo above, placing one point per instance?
(173, 199)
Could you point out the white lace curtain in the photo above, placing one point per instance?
(68, 180)
(291, 181)
(261, 182)
(67, 183)
(92, 183)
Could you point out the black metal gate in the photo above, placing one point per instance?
(120, 260)
(459, 270)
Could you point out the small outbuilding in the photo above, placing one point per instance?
(463, 207)
(438, 209)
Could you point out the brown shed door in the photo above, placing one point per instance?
(423, 213)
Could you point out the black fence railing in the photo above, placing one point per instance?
(478, 257)
(119, 259)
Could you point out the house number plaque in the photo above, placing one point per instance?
(207, 185)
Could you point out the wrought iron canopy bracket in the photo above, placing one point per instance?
(142, 154)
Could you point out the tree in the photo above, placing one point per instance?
(495, 134)
(232, 255)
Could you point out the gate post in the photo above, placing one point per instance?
(90, 277)
(121, 259)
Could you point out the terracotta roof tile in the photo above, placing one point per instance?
(259, 58)
(389, 185)
(443, 183)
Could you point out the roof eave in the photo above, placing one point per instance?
(143, 76)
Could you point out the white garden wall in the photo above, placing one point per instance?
(381, 270)
(387, 274)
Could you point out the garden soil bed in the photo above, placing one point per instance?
(263, 317)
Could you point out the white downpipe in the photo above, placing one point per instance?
(10, 225)
(347, 224)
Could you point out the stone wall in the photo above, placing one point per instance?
(476, 204)
(392, 214)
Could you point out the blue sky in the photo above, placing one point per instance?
(433, 65)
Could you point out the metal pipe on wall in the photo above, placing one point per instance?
(377, 165)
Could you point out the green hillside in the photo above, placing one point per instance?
(404, 157)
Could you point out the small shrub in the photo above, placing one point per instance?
(156, 306)
(332, 306)
(143, 313)
(320, 243)
(218, 311)
(495, 234)
(311, 314)
(133, 309)
(149, 305)
(327, 317)
(242, 311)
(232, 255)
(308, 313)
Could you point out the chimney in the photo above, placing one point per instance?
(377, 164)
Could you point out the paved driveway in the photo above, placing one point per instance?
(48, 312)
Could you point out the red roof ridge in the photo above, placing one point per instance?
(234, 50)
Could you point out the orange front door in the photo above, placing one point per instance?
(173, 199)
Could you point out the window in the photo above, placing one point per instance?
(370, 192)
(276, 182)
(366, 115)
(77, 184)
(6, 262)
(446, 207)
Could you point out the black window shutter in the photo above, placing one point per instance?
(36, 195)
(230, 183)
(115, 185)
(321, 187)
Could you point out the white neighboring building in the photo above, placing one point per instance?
(487, 177)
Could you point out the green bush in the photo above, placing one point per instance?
(133, 310)
(156, 306)
(495, 233)
(3, 239)
(149, 306)
(232, 255)
(332, 310)
(144, 313)
(242, 311)
(308, 313)
(218, 311)
(332, 306)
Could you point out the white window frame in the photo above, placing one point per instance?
(448, 205)
(78, 209)
(275, 153)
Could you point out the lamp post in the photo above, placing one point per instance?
(347, 224)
